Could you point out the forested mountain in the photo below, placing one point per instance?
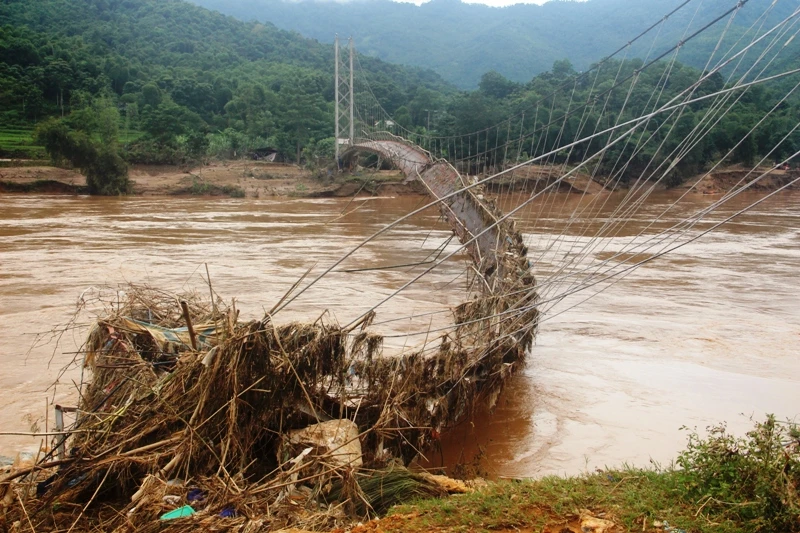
(463, 41)
(110, 82)
(177, 72)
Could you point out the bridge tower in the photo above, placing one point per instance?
(344, 97)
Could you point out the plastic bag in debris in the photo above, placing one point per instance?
(335, 439)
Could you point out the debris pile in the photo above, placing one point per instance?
(249, 425)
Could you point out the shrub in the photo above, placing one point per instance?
(203, 188)
(752, 479)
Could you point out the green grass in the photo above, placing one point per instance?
(17, 142)
(721, 483)
(42, 186)
(370, 182)
(14, 163)
(630, 498)
(365, 176)
(204, 188)
(16, 136)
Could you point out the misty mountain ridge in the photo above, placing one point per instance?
(463, 41)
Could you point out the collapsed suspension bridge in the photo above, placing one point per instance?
(593, 133)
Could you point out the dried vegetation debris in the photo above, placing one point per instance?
(159, 418)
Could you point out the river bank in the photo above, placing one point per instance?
(719, 483)
(260, 179)
(238, 179)
(693, 499)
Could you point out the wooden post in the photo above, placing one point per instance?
(60, 448)
(188, 320)
(60, 440)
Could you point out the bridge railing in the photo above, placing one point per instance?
(389, 136)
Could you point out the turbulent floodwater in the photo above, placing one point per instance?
(707, 333)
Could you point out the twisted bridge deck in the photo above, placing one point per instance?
(474, 219)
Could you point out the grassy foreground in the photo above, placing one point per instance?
(633, 500)
(720, 483)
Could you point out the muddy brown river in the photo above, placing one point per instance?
(708, 333)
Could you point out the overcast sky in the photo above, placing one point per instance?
(493, 3)
(498, 3)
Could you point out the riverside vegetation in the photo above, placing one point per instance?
(174, 83)
(720, 483)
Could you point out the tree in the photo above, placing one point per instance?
(118, 71)
(303, 115)
(320, 151)
(106, 173)
(166, 121)
(424, 105)
(563, 69)
(496, 85)
(403, 118)
(151, 95)
(745, 152)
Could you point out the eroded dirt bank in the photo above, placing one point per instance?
(256, 179)
(728, 178)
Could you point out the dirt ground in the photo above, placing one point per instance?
(10, 176)
(258, 179)
(729, 178)
(254, 177)
(535, 178)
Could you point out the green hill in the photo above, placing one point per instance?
(463, 41)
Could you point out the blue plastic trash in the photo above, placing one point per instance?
(195, 495)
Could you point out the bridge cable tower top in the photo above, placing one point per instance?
(345, 119)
